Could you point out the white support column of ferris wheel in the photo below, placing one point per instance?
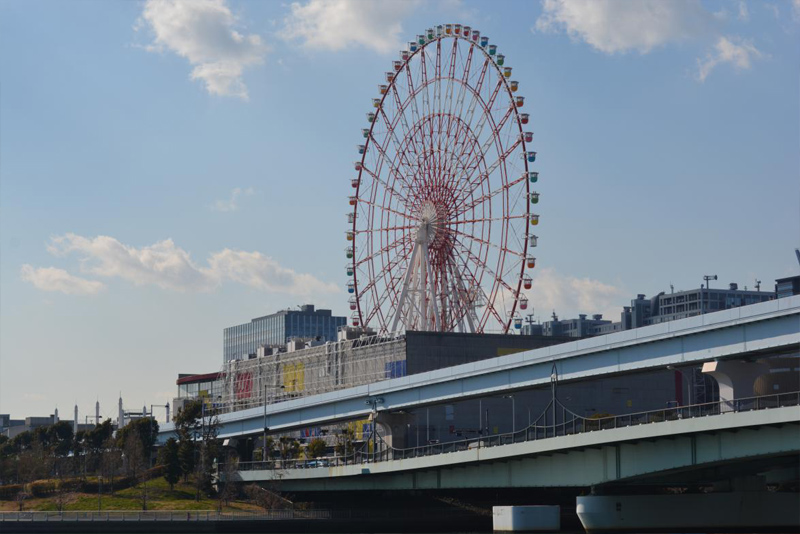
(464, 296)
(418, 298)
(401, 305)
(430, 293)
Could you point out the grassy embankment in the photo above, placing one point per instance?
(159, 497)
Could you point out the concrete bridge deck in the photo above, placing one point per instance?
(761, 329)
(748, 432)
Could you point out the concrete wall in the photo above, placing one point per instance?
(427, 351)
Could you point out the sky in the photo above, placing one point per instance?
(169, 168)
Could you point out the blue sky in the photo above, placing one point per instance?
(170, 169)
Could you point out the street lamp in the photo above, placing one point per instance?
(373, 402)
(264, 445)
(688, 381)
(707, 278)
(513, 412)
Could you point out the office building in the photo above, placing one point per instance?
(276, 330)
(786, 287)
(661, 308)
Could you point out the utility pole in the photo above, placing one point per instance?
(707, 278)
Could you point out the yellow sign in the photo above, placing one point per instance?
(294, 377)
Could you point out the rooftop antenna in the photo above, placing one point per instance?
(708, 278)
(797, 253)
(555, 317)
(671, 288)
(758, 284)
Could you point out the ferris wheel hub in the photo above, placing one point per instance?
(428, 224)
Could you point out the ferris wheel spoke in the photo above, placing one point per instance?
(491, 168)
(386, 229)
(488, 196)
(394, 169)
(487, 298)
(497, 278)
(379, 274)
(385, 185)
(488, 219)
(487, 243)
(391, 246)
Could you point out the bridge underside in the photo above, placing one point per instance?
(699, 451)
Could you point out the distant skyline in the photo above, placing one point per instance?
(169, 169)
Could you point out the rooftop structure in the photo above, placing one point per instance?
(359, 357)
(661, 308)
(276, 330)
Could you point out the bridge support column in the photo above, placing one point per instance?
(395, 428)
(526, 518)
(735, 378)
(690, 512)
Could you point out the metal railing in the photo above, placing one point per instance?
(206, 516)
(555, 421)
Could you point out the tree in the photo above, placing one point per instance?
(227, 482)
(288, 447)
(186, 452)
(60, 437)
(133, 453)
(146, 431)
(169, 458)
(110, 462)
(316, 448)
(344, 442)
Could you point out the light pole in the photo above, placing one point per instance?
(513, 412)
(264, 444)
(688, 382)
(373, 402)
(707, 278)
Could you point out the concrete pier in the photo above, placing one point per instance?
(697, 512)
(526, 518)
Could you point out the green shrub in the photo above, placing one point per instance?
(10, 491)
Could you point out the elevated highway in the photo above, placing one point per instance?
(749, 332)
(700, 444)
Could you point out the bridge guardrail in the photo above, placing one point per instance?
(570, 424)
(204, 516)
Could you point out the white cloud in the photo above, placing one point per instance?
(232, 203)
(53, 279)
(734, 50)
(613, 26)
(336, 24)
(744, 14)
(168, 266)
(261, 272)
(569, 296)
(796, 9)
(204, 32)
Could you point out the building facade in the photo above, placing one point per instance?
(786, 287)
(661, 308)
(276, 330)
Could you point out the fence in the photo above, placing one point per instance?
(211, 516)
(548, 425)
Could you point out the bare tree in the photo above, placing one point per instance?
(110, 463)
(65, 488)
(267, 497)
(228, 478)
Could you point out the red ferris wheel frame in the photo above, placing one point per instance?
(436, 195)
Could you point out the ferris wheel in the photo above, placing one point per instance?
(440, 228)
